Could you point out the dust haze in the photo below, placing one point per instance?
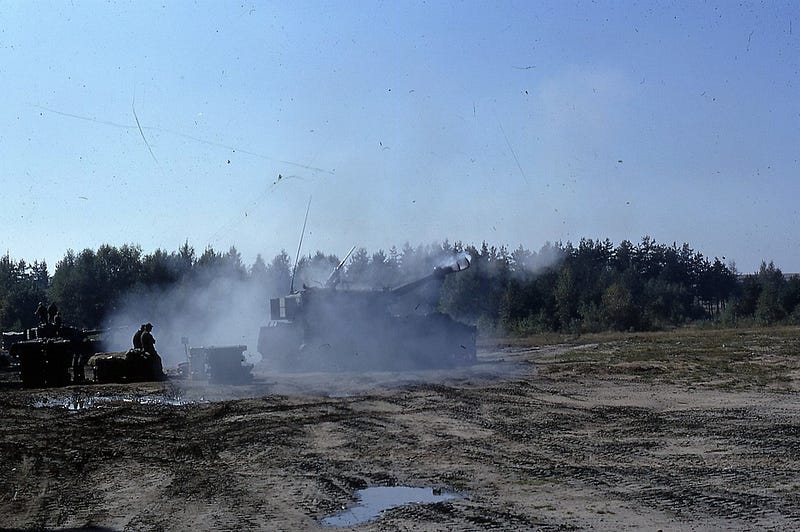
(212, 310)
(348, 323)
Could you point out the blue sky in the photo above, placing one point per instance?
(510, 122)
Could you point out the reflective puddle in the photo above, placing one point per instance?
(75, 403)
(373, 501)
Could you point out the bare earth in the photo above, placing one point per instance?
(695, 430)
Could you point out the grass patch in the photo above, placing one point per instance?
(722, 358)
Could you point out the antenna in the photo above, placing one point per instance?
(300, 245)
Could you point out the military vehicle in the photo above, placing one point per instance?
(47, 352)
(329, 328)
(57, 355)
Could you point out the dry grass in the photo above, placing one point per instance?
(723, 358)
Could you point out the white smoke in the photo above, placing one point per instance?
(216, 310)
(532, 263)
(224, 308)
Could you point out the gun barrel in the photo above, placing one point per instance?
(439, 272)
(92, 332)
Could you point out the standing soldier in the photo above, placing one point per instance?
(41, 311)
(52, 310)
(78, 374)
(137, 338)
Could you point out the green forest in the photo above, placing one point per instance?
(589, 287)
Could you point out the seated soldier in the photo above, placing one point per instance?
(148, 342)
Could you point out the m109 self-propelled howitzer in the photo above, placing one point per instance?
(330, 328)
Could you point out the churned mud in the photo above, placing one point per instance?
(681, 431)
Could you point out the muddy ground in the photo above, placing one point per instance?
(686, 430)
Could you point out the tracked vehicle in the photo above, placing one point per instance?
(329, 328)
(51, 355)
(47, 352)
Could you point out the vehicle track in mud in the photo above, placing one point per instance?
(620, 433)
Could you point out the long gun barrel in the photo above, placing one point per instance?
(439, 272)
(93, 332)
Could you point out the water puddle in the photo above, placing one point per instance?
(75, 403)
(373, 501)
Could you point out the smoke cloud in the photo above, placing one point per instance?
(212, 310)
(341, 328)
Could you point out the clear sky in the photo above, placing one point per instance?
(512, 122)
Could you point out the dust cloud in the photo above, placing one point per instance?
(216, 309)
(340, 328)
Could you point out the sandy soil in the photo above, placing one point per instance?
(546, 437)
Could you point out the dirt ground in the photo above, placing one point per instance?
(686, 430)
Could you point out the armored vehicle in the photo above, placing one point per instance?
(329, 328)
(58, 355)
(46, 353)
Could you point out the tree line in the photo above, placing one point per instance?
(591, 286)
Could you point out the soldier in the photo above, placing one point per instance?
(154, 368)
(137, 338)
(148, 342)
(78, 374)
(52, 310)
(57, 322)
(41, 311)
